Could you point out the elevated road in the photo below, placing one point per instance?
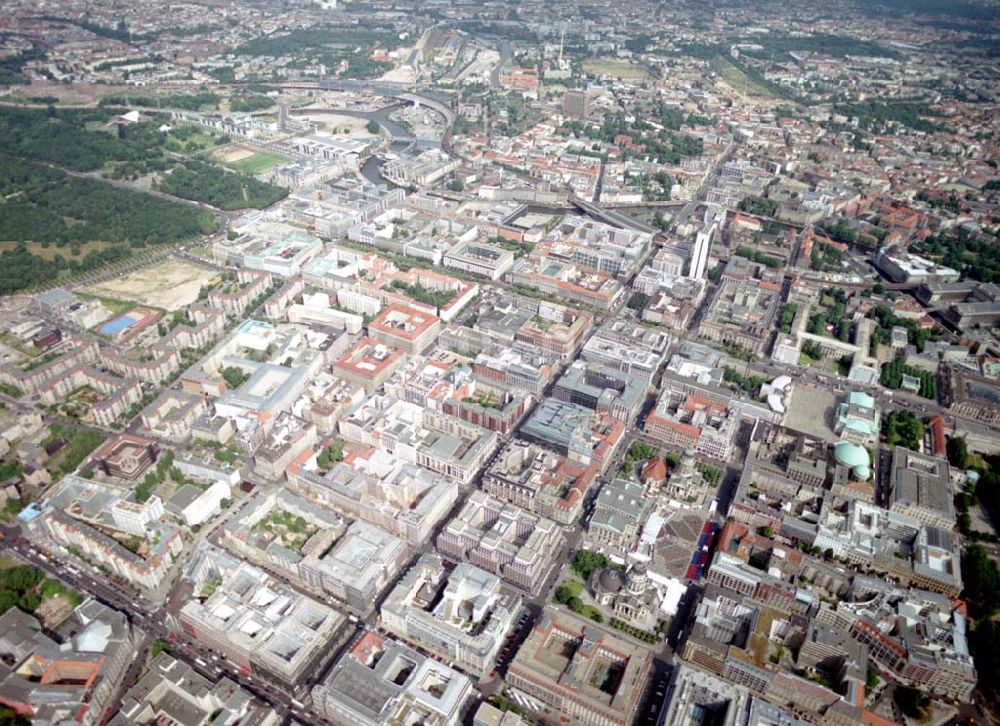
(618, 219)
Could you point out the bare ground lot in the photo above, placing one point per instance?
(338, 124)
(232, 154)
(170, 285)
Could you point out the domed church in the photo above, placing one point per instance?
(628, 596)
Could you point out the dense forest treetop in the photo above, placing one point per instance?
(74, 138)
(318, 38)
(780, 47)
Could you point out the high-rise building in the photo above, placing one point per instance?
(699, 254)
(576, 103)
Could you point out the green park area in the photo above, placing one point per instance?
(55, 223)
(743, 82)
(259, 162)
(615, 68)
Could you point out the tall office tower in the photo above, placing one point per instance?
(699, 255)
(576, 103)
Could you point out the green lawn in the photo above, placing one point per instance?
(259, 162)
(741, 82)
(575, 587)
(55, 589)
(615, 68)
(113, 304)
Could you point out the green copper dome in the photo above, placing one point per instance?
(854, 457)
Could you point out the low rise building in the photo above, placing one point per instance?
(540, 481)
(463, 615)
(380, 681)
(126, 456)
(172, 689)
(70, 676)
(566, 281)
(422, 436)
(742, 313)
(195, 506)
(423, 169)
(582, 671)
(903, 267)
(858, 419)
(359, 567)
(256, 621)
(604, 389)
(369, 363)
(405, 328)
(504, 540)
(975, 396)
(277, 249)
(479, 258)
(920, 487)
(557, 330)
(694, 423)
(288, 439)
(585, 437)
(620, 512)
(521, 366)
(402, 499)
(694, 692)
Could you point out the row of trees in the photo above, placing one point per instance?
(185, 101)
(825, 258)
(12, 65)
(787, 317)
(422, 294)
(887, 320)
(875, 115)
(759, 257)
(749, 383)
(18, 587)
(250, 102)
(779, 46)
(892, 377)
(312, 39)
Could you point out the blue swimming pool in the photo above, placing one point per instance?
(117, 325)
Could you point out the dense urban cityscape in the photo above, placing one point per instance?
(495, 364)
